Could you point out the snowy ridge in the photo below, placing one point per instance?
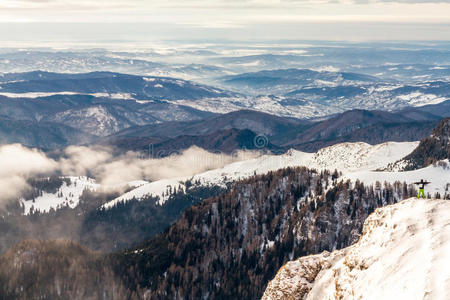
(124, 96)
(355, 160)
(346, 157)
(403, 253)
(67, 195)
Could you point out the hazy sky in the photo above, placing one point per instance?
(257, 19)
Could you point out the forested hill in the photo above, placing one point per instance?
(233, 244)
(431, 149)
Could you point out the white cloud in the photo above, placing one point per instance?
(115, 170)
(18, 163)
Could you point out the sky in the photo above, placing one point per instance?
(225, 19)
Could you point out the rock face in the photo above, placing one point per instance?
(296, 279)
(403, 253)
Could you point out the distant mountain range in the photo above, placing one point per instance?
(260, 122)
(102, 60)
(44, 135)
(89, 114)
(75, 119)
(403, 61)
(108, 84)
(98, 103)
(274, 81)
(372, 127)
(135, 111)
(224, 141)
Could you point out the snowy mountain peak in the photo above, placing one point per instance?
(403, 253)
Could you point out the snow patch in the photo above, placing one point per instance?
(326, 69)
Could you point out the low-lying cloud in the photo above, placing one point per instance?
(112, 170)
(18, 163)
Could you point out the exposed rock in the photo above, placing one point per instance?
(403, 253)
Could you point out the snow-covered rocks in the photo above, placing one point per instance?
(403, 253)
(295, 279)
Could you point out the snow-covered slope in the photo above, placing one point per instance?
(361, 156)
(403, 253)
(355, 160)
(67, 195)
(346, 157)
(438, 175)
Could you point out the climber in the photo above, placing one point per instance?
(422, 185)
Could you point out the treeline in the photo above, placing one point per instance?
(37, 186)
